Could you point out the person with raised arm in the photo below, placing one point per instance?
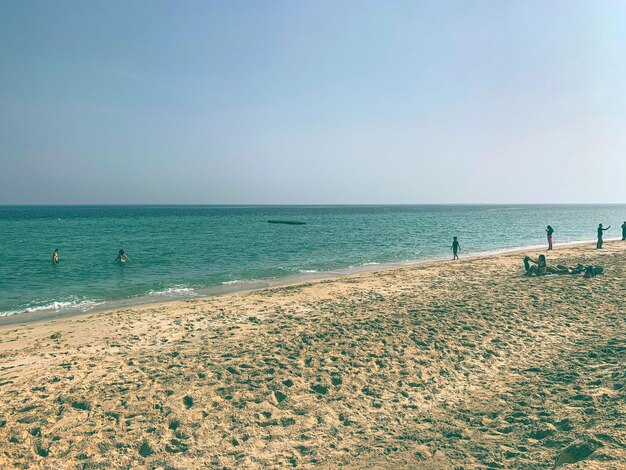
(600, 233)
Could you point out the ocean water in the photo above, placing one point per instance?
(185, 251)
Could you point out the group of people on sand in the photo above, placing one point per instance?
(456, 246)
(122, 257)
(600, 232)
(539, 267)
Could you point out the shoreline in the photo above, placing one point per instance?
(269, 283)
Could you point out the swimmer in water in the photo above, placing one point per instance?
(121, 257)
(55, 256)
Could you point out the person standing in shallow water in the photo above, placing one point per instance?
(456, 247)
(122, 257)
(600, 233)
(624, 231)
(549, 231)
(55, 256)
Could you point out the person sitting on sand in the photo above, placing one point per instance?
(456, 247)
(540, 269)
(55, 256)
(549, 231)
(121, 257)
(624, 231)
(600, 233)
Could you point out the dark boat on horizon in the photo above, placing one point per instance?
(286, 222)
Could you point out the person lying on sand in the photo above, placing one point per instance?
(562, 269)
(593, 271)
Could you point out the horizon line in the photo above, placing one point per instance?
(313, 204)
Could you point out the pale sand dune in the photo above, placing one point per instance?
(442, 365)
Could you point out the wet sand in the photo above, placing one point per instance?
(440, 365)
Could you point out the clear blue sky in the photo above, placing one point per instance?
(312, 102)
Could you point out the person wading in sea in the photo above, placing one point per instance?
(55, 256)
(122, 257)
(600, 233)
(624, 231)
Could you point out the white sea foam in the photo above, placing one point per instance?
(174, 291)
(503, 209)
(308, 271)
(230, 283)
(77, 305)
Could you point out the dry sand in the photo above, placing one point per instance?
(442, 365)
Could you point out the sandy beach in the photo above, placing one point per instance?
(464, 364)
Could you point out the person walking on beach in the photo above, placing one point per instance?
(121, 257)
(624, 231)
(549, 231)
(456, 247)
(55, 256)
(600, 233)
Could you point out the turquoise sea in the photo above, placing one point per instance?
(185, 251)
